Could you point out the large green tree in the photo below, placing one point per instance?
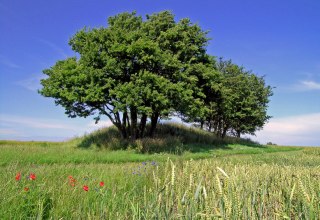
(131, 71)
(236, 101)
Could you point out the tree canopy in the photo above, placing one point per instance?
(236, 101)
(137, 70)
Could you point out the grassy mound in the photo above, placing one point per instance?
(173, 141)
(169, 137)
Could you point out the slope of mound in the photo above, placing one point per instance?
(169, 137)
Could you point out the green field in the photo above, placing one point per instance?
(233, 182)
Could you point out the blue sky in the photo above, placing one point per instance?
(277, 39)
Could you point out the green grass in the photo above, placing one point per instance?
(212, 179)
(169, 137)
(258, 185)
(25, 153)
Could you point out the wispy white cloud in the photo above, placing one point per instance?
(300, 86)
(54, 47)
(32, 83)
(19, 127)
(5, 131)
(310, 85)
(293, 130)
(30, 122)
(7, 62)
(100, 124)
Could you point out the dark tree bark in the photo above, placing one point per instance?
(129, 125)
(142, 126)
(134, 119)
(201, 124)
(210, 127)
(154, 121)
(224, 132)
(124, 130)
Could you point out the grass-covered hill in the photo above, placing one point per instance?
(169, 137)
(106, 146)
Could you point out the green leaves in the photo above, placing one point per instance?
(136, 69)
(240, 101)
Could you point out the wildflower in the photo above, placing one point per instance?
(32, 176)
(153, 163)
(18, 176)
(101, 184)
(26, 189)
(72, 181)
(85, 188)
(144, 163)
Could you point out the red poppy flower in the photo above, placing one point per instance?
(85, 188)
(26, 189)
(72, 181)
(18, 176)
(101, 184)
(32, 176)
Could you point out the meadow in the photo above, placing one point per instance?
(235, 180)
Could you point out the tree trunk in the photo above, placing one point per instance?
(124, 130)
(219, 128)
(133, 116)
(238, 134)
(128, 126)
(124, 133)
(142, 126)
(210, 127)
(224, 132)
(154, 121)
(201, 124)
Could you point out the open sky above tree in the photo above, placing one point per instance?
(272, 38)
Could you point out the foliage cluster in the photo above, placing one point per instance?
(136, 71)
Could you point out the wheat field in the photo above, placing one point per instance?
(263, 185)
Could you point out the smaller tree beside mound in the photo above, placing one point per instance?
(235, 100)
